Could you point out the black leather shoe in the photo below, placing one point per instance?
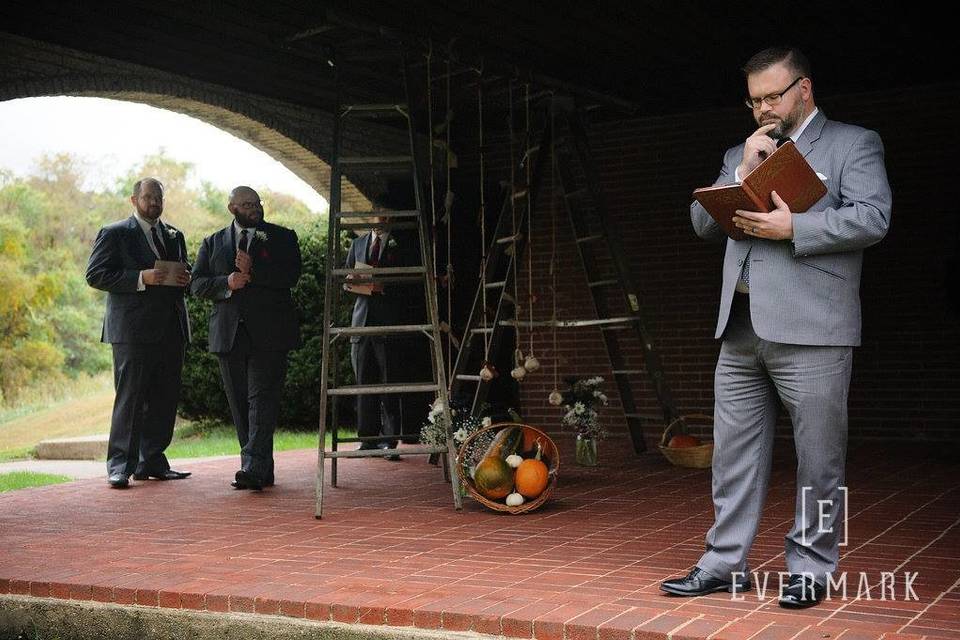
(698, 583)
(119, 480)
(801, 592)
(169, 474)
(246, 480)
(389, 445)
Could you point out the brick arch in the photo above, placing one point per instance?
(291, 136)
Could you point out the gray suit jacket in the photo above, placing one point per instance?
(807, 291)
(119, 254)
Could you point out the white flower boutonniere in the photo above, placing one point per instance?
(391, 243)
(261, 236)
(171, 232)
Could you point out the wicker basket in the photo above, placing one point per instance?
(700, 457)
(472, 450)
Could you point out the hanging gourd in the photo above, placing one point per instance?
(531, 364)
(519, 371)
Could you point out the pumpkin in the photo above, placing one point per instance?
(531, 476)
(683, 441)
(493, 477)
(530, 439)
(514, 500)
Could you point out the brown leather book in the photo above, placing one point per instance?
(785, 171)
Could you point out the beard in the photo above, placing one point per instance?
(248, 220)
(150, 212)
(786, 124)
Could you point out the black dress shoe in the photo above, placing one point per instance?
(801, 592)
(246, 480)
(169, 474)
(119, 480)
(698, 582)
(389, 445)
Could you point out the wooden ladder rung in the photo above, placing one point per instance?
(382, 453)
(353, 161)
(406, 213)
(603, 283)
(370, 389)
(591, 238)
(381, 330)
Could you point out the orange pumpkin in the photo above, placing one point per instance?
(530, 438)
(683, 441)
(531, 478)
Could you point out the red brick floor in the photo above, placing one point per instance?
(391, 549)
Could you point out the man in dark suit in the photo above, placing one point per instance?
(146, 324)
(248, 269)
(375, 358)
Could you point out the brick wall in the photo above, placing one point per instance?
(906, 379)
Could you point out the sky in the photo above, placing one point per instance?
(112, 136)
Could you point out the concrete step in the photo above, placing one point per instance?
(81, 448)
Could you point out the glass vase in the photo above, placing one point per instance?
(586, 451)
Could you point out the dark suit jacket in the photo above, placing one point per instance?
(119, 253)
(265, 304)
(395, 304)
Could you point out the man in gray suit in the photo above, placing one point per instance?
(146, 324)
(789, 319)
(248, 269)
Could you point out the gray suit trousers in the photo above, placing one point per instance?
(753, 377)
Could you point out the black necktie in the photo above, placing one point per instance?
(375, 252)
(244, 243)
(161, 248)
(782, 141)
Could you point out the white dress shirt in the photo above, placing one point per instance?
(146, 226)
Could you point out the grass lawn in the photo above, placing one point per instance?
(203, 439)
(23, 479)
(89, 414)
(85, 415)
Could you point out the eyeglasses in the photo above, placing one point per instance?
(773, 99)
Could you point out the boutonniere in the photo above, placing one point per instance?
(391, 243)
(171, 232)
(261, 235)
